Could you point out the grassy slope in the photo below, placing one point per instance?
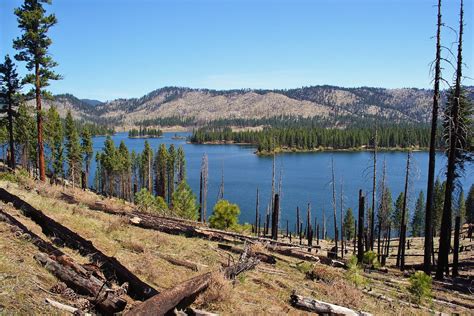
(256, 291)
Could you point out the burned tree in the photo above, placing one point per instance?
(457, 128)
(432, 155)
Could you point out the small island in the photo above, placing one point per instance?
(145, 133)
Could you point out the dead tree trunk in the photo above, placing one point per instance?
(432, 154)
(403, 233)
(454, 159)
(341, 224)
(374, 191)
(184, 294)
(276, 211)
(360, 230)
(298, 220)
(334, 206)
(310, 228)
(257, 224)
(322, 308)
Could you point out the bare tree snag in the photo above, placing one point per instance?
(432, 154)
(360, 230)
(334, 205)
(276, 211)
(322, 308)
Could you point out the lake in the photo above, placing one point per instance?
(306, 177)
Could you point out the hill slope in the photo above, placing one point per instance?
(202, 105)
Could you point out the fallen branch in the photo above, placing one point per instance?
(95, 290)
(263, 257)
(178, 262)
(66, 308)
(320, 307)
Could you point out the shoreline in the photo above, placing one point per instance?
(284, 150)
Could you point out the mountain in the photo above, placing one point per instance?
(91, 102)
(200, 106)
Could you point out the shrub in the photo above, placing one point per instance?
(225, 215)
(354, 272)
(370, 259)
(146, 202)
(322, 273)
(304, 267)
(420, 286)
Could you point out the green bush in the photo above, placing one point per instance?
(354, 272)
(370, 259)
(146, 202)
(420, 287)
(225, 215)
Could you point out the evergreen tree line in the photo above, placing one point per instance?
(145, 132)
(160, 174)
(390, 213)
(306, 138)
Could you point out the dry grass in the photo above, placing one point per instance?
(255, 292)
(218, 293)
(21, 278)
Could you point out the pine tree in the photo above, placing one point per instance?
(125, 165)
(180, 165)
(184, 202)
(146, 166)
(386, 209)
(171, 166)
(348, 226)
(161, 172)
(438, 201)
(397, 213)
(33, 49)
(74, 154)
(470, 206)
(10, 86)
(87, 150)
(461, 207)
(25, 136)
(54, 139)
(108, 163)
(418, 220)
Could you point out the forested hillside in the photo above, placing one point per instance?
(326, 105)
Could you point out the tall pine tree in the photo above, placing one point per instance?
(33, 47)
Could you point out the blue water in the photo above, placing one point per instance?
(306, 176)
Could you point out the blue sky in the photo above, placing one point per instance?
(108, 49)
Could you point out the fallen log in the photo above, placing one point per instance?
(19, 228)
(97, 291)
(178, 297)
(178, 262)
(66, 308)
(320, 307)
(184, 294)
(110, 266)
(263, 257)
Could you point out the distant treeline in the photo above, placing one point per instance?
(284, 121)
(145, 132)
(314, 138)
(94, 129)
